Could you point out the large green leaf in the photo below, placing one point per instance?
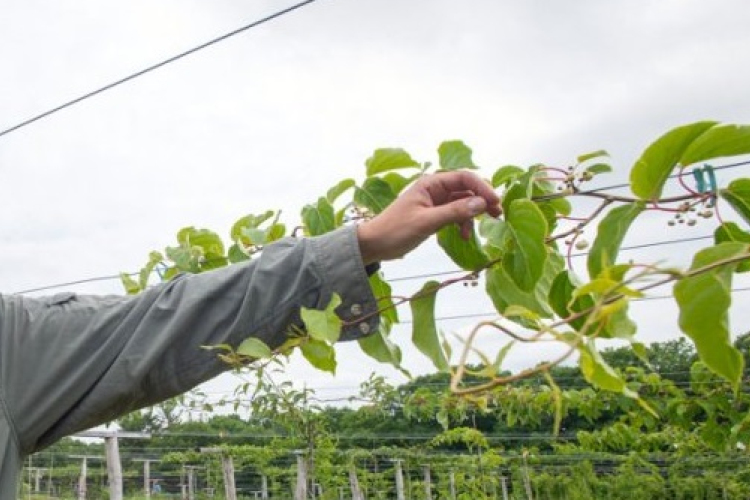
(375, 194)
(599, 373)
(255, 348)
(562, 301)
(609, 235)
(386, 159)
(704, 301)
(716, 142)
(319, 218)
(381, 290)
(504, 292)
(320, 354)
(652, 169)
(239, 227)
(324, 325)
(737, 194)
(333, 194)
(527, 228)
(207, 240)
(154, 259)
(455, 155)
(505, 175)
(379, 347)
(730, 231)
(522, 187)
(398, 182)
(467, 254)
(424, 331)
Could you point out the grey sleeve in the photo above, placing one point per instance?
(71, 362)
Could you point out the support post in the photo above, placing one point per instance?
(427, 481)
(399, 481)
(354, 483)
(146, 475)
(300, 492)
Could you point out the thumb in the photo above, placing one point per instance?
(457, 211)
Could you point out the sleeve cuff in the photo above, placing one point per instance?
(340, 264)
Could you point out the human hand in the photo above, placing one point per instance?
(429, 204)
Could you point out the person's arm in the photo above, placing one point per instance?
(71, 362)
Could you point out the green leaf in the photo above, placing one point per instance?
(207, 240)
(717, 142)
(131, 286)
(319, 354)
(375, 194)
(652, 169)
(563, 301)
(318, 218)
(398, 182)
(254, 348)
(154, 259)
(527, 228)
(609, 235)
(521, 188)
(737, 194)
(275, 232)
(467, 254)
(333, 194)
(248, 221)
(599, 373)
(424, 331)
(254, 235)
(590, 156)
(729, 231)
(379, 347)
(505, 175)
(381, 290)
(455, 155)
(386, 159)
(599, 168)
(236, 254)
(704, 301)
(504, 292)
(323, 325)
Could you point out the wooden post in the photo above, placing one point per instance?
(453, 485)
(427, 481)
(82, 479)
(191, 480)
(264, 487)
(146, 475)
(504, 484)
(81, 493)
(354, 483)
(300, 492)
(227, 468)
(527, 476)
(114, 467)
(399, 481)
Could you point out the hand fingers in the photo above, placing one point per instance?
(450, 185)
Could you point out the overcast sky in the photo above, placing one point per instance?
(273, 117)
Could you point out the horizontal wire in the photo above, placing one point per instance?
(153, 67)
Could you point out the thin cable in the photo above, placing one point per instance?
(426, 275)
(582, 254)
(155, 67)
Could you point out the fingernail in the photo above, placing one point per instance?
(476, 205)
